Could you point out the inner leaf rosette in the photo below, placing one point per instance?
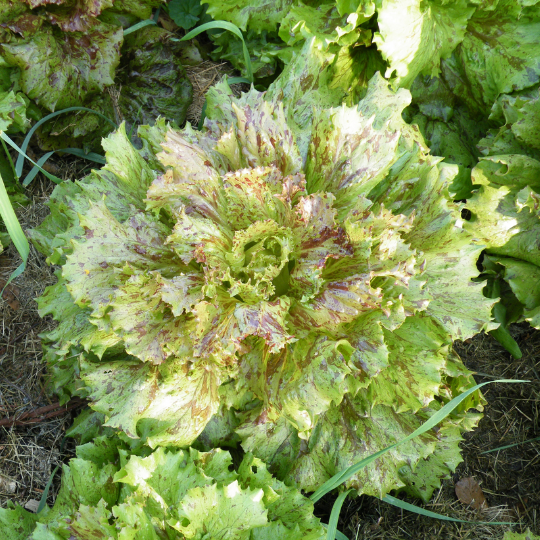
(230, 286)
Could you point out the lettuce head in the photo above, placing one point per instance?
(110, 491)
(290, 279)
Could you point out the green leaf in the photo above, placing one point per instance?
(185, 13)
(324, 22)
(13, 112)
(527, 535)
(228, 511)
(265, 51)
(524, 280)
(154, 81)
(414, 36)
(16, 523)
(93, 522)
(435, 419)
(499, 222)
(259, 14)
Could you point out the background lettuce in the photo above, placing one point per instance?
(69, 53)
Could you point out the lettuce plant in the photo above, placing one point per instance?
(506, 210)
(290, 278)
(66, 53)
(109, 492)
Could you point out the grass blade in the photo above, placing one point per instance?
(438, 417)
(423, 512)
(50, 176)
(224, 25)
(138, 26)
(339, 535)
(15, 231)
(510, 445)
(10, 161)
(35, 169)
(332, 532)
(203, 116)
(92, 156)
(24, 146)
(237, 80)
(43, 500)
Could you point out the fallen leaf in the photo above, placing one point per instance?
(469, 492)
(10, 295)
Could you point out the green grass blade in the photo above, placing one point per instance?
(203, 116)
(92, 156)
(224, 25)
(510, 445)
(423, 512)
(24, 146)
(43, 500)
(339, 535)
(35, 169)
(10, 161)
(138, 26)
(237, 80)
(50, 176)
(438, 417)
(15, 231)
(331, 533)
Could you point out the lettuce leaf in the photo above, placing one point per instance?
(415, 35)
(59, 70)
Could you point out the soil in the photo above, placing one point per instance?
(509, 478)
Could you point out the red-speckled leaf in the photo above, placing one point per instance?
(352, 150)
(266, 320)
(169, 403)
(192, 181)
(320, 239)
(59, 70)
(76, 15)
(92, 271)
(250, 195)
(149, 330)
